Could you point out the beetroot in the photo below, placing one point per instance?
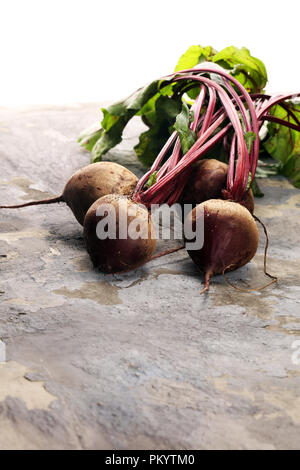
(116, 253)
(230, 237)
(207, 181)
(223, 111)
(87, 185)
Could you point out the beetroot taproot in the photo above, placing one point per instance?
(89, 184)
(207, 181)
(230, 237)
(111, 251)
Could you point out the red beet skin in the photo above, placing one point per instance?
(89, 184)
(230, 237)
(208, 181)
(113, 255)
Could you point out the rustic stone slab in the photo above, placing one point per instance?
(139, 360)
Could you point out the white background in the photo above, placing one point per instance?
(63, 51)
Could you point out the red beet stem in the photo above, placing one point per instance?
(282, 122)
(172, 176)
(276, 100)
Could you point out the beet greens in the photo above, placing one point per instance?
(213, 106)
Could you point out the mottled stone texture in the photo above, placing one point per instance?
(140, 360)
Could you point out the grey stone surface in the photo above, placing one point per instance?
(139, 360)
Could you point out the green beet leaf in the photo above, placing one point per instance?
(182, 126)
(248, 70)
(116, 116)
(249, 139)
(283, 143)
(256, 189)
(159, 103)
(152, 140)
(194, 56)
(152, 180)
(89, 137)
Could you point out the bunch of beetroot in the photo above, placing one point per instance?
(222, 112)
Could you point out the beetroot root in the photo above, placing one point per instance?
(230, 237)
(207, 181)
(117, 254)
(94, 181)
(89, 184)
